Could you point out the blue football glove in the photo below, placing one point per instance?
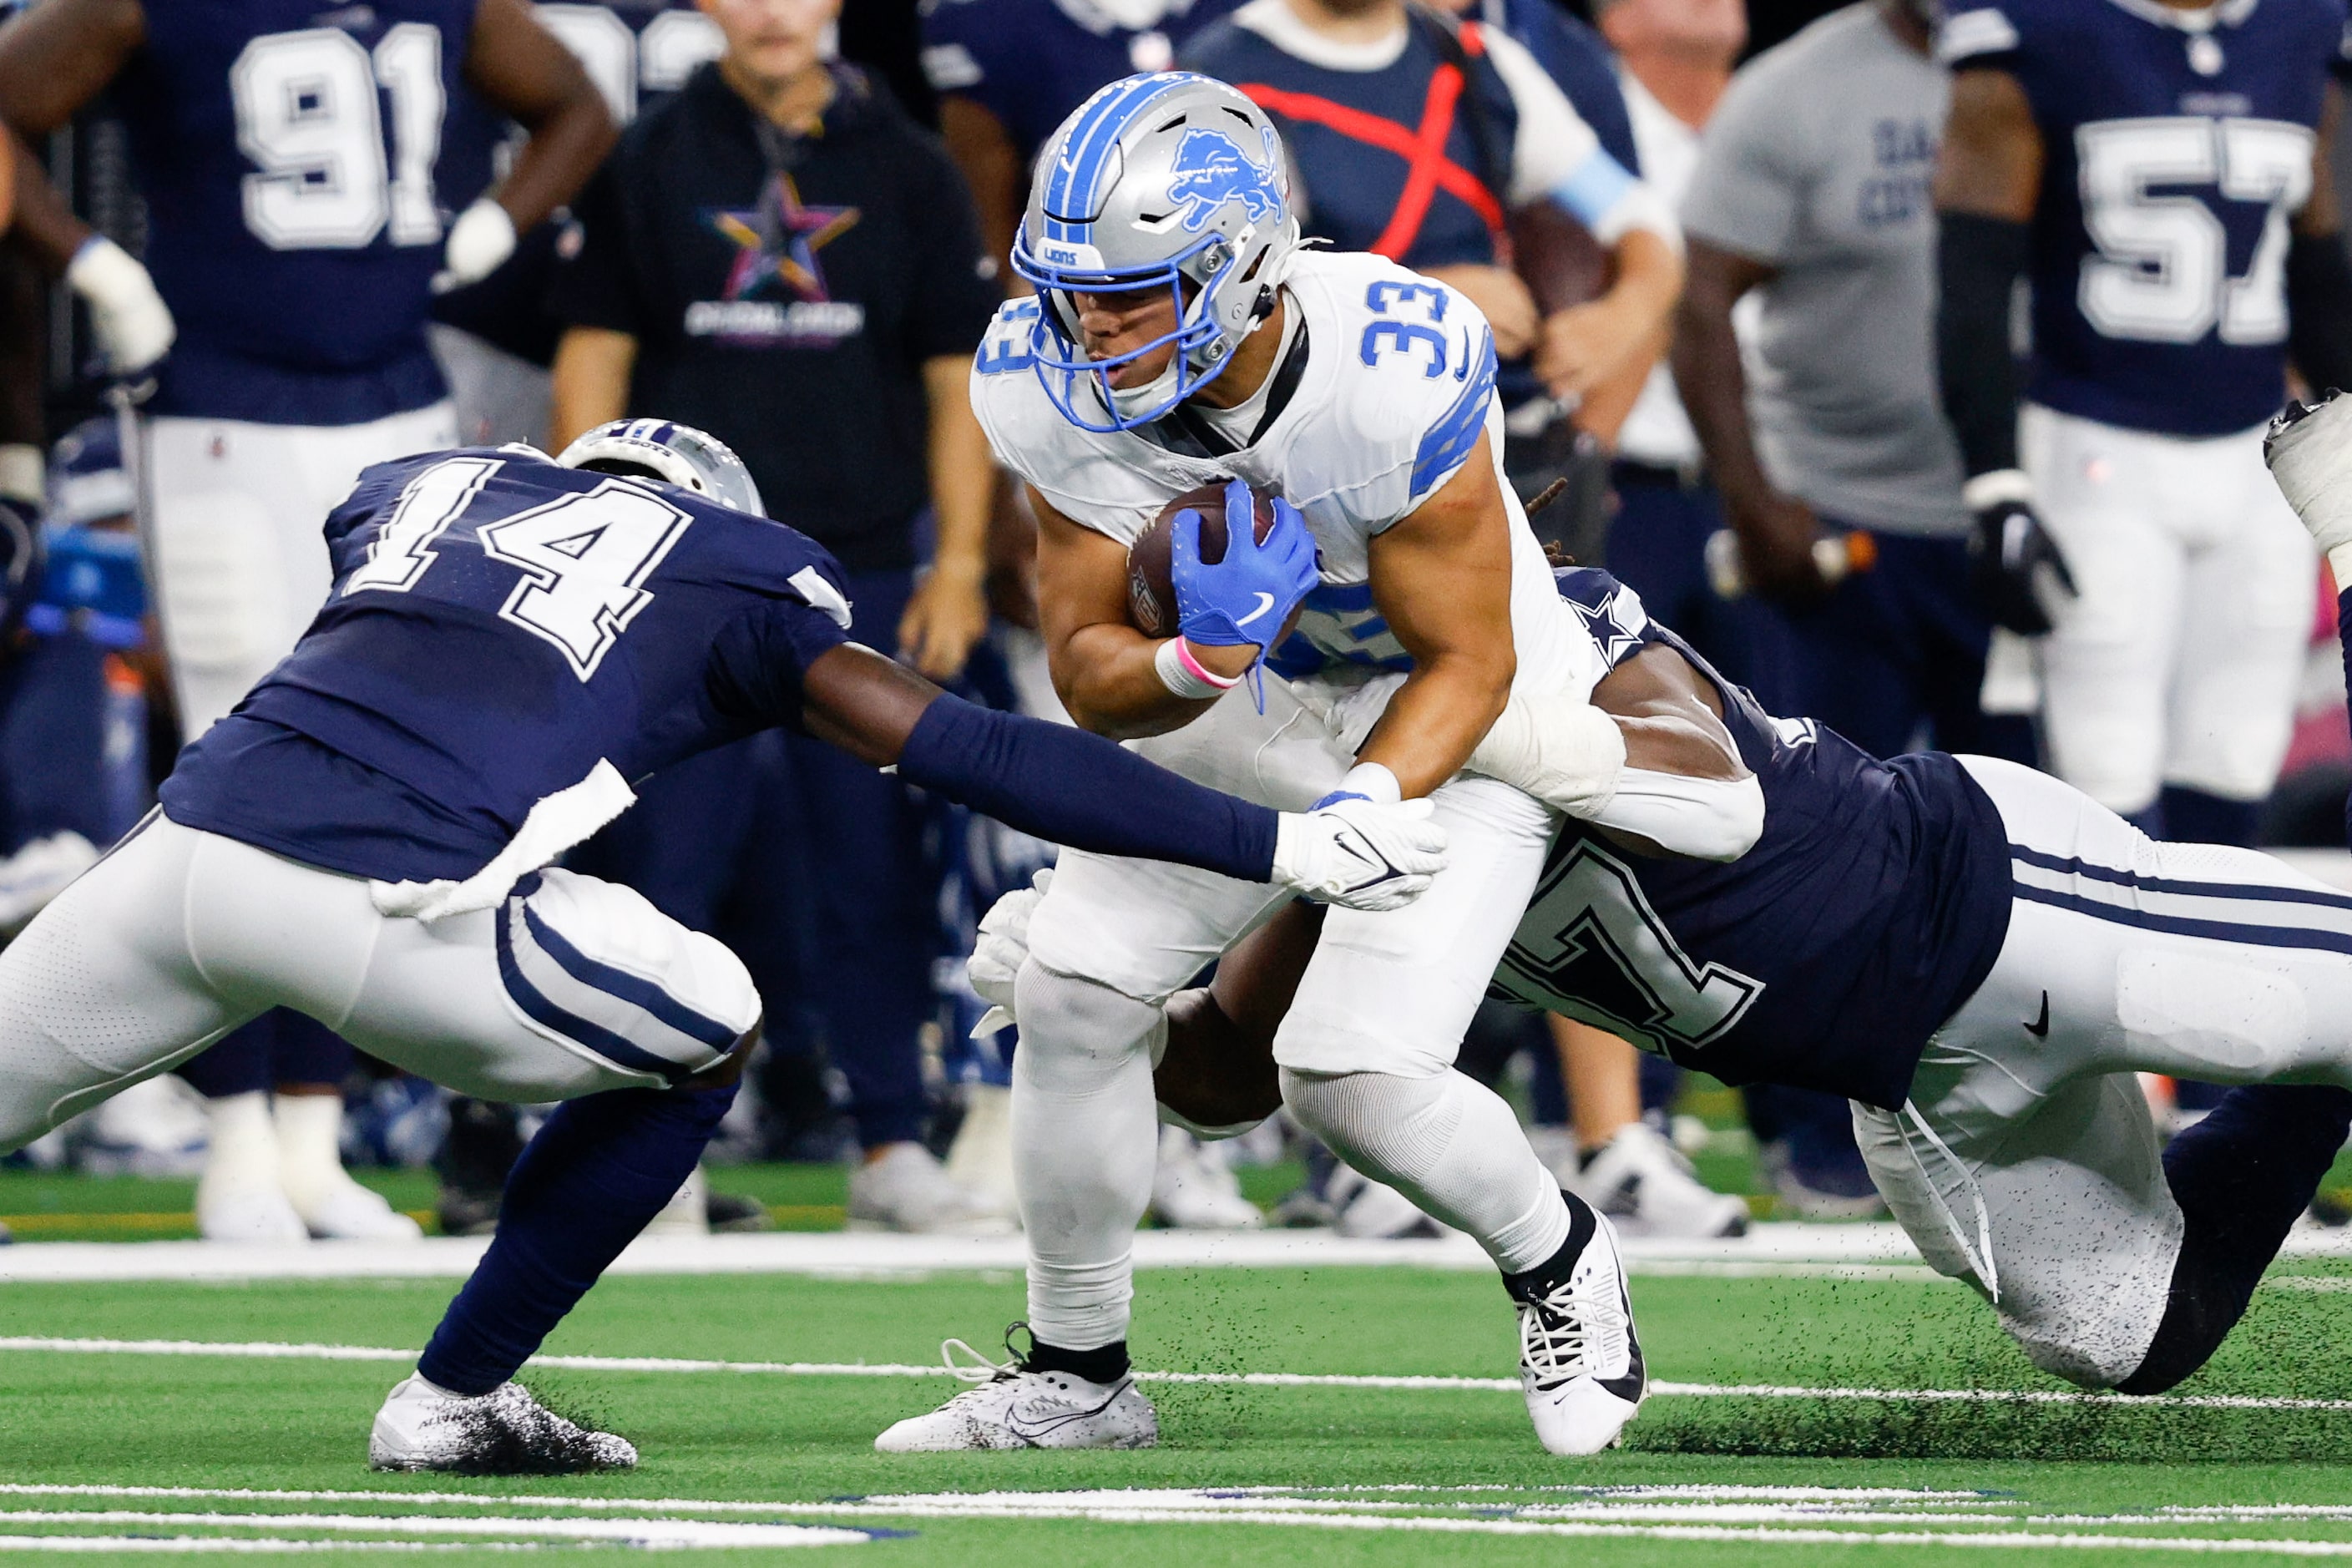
(1247, 597)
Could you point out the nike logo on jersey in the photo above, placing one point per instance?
(2040, 1027)
(1265, 603)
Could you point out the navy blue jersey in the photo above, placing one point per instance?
(1351, 135)
(498, 626)
(287, 154)
(1030, 62)
(1873, 906)
(2177, 146)
(1573, 54)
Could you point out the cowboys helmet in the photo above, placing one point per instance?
(679, 455)
(1170, 179)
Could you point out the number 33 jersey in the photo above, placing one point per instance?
(1873, 906)
(1383, 405)
(2176, 150)
(499, 627)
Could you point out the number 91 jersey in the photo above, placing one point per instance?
(287, 154)
(1396, 386)
(498, 626)
(2177, 148)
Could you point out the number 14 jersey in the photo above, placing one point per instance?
(2176, 148)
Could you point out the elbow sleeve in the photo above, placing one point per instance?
(2319, 309)
(1978, 260)
(1610, 200)
(1706, 819)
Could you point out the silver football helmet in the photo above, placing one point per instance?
(1173, 180)
(679, 455)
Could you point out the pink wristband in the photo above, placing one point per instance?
(1200, 672)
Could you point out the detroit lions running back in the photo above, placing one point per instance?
(510, 640)
(1181, 335)
(1981, 957)
(2160, 173)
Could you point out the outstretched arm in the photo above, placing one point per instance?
(1074, 788)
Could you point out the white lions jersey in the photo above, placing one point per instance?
(1397, 387)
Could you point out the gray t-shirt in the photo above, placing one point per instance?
(1817, 161)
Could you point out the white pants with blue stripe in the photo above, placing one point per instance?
(179, 936)
(2027, 1160)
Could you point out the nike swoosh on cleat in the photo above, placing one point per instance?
(1265, 603)
(1630, 1387)
(2040, 1027)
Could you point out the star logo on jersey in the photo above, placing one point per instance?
(779, 239)
(1615, 628)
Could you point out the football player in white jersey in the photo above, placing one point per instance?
(1181, 336)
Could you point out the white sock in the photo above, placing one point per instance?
(1085, 1144)
(241, 1156)
(310, 1148)
(1448, 1144)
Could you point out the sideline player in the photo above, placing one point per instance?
(2161, 174)
(289, 156)
(1178, 335)
(509, 640)
(1986, 959)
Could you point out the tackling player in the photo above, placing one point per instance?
(1179, 335)
(508, 641)
(1979, 956)
(2161, 175)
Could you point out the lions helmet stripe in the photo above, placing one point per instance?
(1078, 167)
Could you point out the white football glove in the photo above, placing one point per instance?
(132, 325)
(2310, 455)
(1003, 948)
(481, 239)
(1359, 854)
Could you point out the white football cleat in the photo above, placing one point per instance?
(1641, 1182)
(2309, 450)
(906, 1189)
(1010, 1406)
(1192, 1188)
(505, 1432)
(1580, 1362)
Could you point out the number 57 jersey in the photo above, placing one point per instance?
(500, 627)
(2176, 148)
(1384, 388)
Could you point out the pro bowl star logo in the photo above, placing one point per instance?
(777, 240)
(1211, 170)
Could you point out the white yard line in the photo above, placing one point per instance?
(272, 1351)
(82, 1544)
(652, 1534)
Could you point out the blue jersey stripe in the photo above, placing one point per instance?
(2075, 867)
(633, 989)
(1450, 439)
(1087, 151)
(571, 1025)
(2248, 933)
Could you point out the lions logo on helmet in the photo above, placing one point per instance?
(1212, 170)
(1149, 184)
(674, 454)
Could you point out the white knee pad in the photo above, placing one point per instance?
(1448, 1144)
(1078, 1033)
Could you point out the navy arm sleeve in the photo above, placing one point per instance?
(1076, 789)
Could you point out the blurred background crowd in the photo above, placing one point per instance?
(782, 220)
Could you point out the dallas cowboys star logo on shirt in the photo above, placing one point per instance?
(1616, 624)
(777, 240)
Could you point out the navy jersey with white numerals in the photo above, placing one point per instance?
(287, 151)
(1872, 907)
(498, 626)
(2177, 148)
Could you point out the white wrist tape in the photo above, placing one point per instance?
(132, 325)
(1995, 487)
(482, 237)
(1706, 819)
(1561, 750)
(1186, 677)
(1373, 782)
(2312, 462)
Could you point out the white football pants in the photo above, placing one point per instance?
(1385, 993)
(235, 538)
(178, 936)
(2179, 662)
(2027, 1160)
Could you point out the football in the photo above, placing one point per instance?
(1150, 581)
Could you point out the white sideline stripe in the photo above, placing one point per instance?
(270, 1350)
(654, 1533)
(225, 1543)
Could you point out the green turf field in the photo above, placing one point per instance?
(1444, 1473)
